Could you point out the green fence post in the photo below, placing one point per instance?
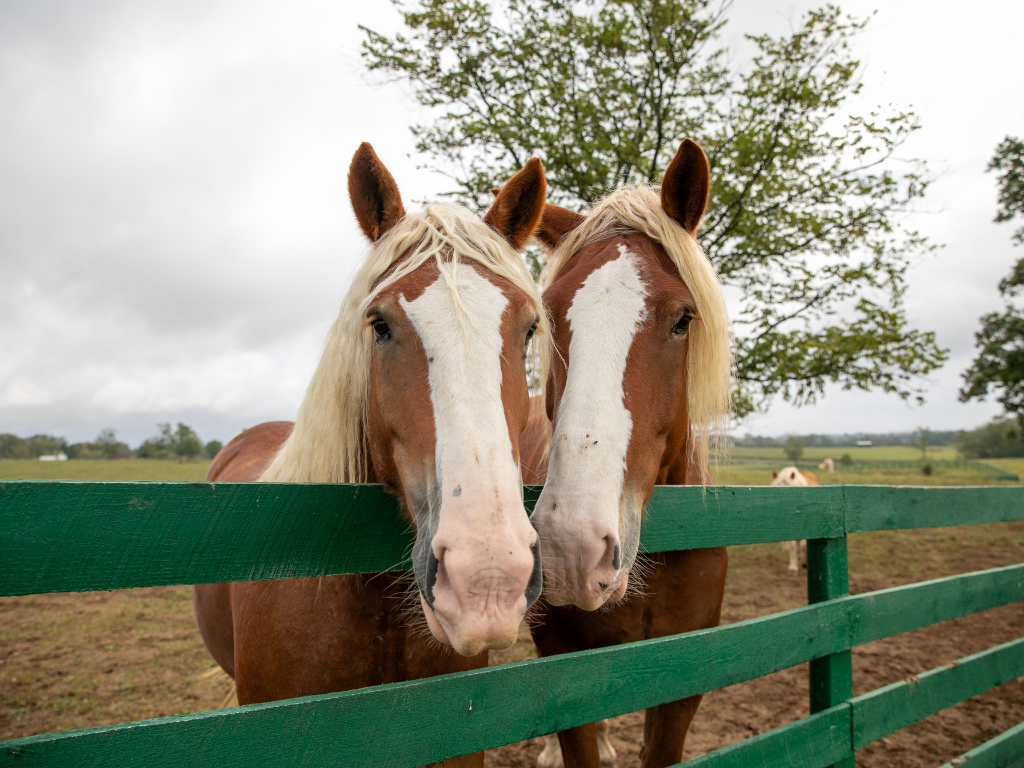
(828, 577)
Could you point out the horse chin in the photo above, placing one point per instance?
(435, 626)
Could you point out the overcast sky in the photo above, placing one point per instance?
(175, 234)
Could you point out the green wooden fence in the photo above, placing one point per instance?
(77, 536)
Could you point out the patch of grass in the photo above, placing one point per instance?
(113, 469)
(740, 474)
(872, 453)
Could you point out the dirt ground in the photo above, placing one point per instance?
(80, 660)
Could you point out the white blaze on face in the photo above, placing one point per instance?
(592, 428)
(483, 536)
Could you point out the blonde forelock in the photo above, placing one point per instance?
(709, 357)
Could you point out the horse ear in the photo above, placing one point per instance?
(684, 189)
(373, 193)
(774, 475)
(555, 224)
(518, 205)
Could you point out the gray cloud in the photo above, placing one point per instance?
(175, 234)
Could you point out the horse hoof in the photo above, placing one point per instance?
(792, 571)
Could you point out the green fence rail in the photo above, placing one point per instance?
(67, 536)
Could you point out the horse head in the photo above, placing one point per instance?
(422, 386)
(639, 374)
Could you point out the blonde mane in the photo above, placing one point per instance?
(709, 358)
(329, 443)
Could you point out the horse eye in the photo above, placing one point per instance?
(381, 330)
(679, 329)
(529, 333)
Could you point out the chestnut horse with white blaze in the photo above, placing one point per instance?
(421, 386)
(639, 385)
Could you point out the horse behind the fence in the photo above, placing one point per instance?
(421, 386)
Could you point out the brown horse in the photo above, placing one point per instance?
(421, 386)
(638, 384)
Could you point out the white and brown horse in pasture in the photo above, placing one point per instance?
(639, 380)
(790, 477)
(421, 386)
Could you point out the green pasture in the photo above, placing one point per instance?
(736, 474)
(112, 469)
(872, 453)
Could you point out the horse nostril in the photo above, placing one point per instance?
(616, 558)
(536, 583)
(602, 585)
(431, 577)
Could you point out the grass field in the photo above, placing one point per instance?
(114, 469)
(872, 453)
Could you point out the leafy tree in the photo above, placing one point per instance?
(110, 447)
(186, 443)
(212, 448)
(14, 447)
(1000, 361)
(802, 220)
(999, 438)
(794, 448)
(158, 447)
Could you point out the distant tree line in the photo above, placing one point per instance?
(911, 439)
(1000, 438)
(180, 443)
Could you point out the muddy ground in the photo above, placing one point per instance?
(79, 660)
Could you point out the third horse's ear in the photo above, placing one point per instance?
(518, 205)
(555, 224)
(685, 186)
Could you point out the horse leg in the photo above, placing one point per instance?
(551, 755)
(665, 728)
(579, 747)
(794, 557)
(803, 552)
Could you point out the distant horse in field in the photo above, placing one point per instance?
(639, 385)
(828, 465)
(421, 386)
(791, 476)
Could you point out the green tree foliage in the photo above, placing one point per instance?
(14, 447)
(182, 442)
(998, 439)
(794, 448)
(159, 446)
(186, 443)
(1000, 360)
(802, 221)
(212, 448)
(109, 447)
(1009, 158)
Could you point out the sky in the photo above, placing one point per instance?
(175, 234)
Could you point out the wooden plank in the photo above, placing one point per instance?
(414, 723)
(828, 578)
(1004, 751)
(876, 507)
(896, 706)
(813, 742)
(689, 517)
(61, 536)
(71, 536)
(889, 612)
